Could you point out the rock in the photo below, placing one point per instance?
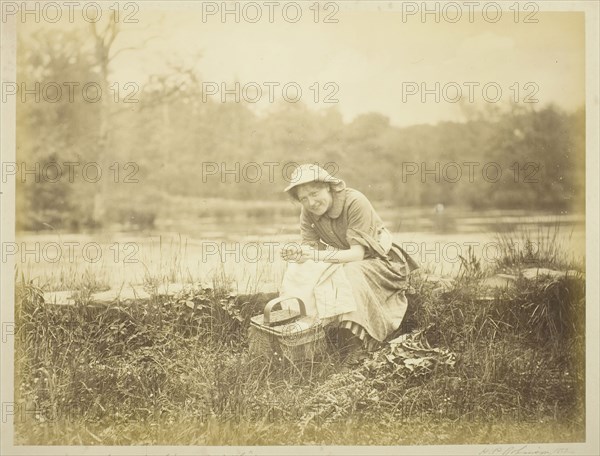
(499, 281)
(105, 297)
(133, 292)
(170, 289)
(128, 292)
(534, 273)
(444, 284)
(495, 282)
(122, 294)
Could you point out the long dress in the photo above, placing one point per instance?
(376, 283)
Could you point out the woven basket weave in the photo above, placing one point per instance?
(291, 335)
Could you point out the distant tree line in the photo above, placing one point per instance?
(170, 142)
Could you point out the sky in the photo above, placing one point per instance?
(376, 58)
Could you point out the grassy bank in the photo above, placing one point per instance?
(178, 371)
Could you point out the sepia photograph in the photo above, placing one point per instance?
(299, 227)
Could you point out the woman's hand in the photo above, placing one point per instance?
(299, 253)
(302, 253)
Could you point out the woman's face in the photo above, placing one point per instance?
(315, 197)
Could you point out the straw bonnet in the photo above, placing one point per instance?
(306, 173)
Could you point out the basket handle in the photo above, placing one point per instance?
(273, 302)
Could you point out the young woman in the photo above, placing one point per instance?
(347, 270)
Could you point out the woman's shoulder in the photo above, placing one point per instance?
(356, 197)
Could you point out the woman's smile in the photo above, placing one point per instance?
(316, 198)
(319, 207)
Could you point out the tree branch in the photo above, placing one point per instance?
(114, 32)
(131, 48)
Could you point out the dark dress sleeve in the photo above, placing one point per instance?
(308, 232)
(363, 225)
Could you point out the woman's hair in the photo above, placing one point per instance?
(317, 184)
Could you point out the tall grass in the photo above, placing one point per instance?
(539, 247)
(177, 370)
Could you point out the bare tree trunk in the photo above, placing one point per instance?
(166, 121)
(103, 43)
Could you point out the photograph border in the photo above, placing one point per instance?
(592, 220)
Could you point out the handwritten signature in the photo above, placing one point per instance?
(523, 450)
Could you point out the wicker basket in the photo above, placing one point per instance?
(289, 334)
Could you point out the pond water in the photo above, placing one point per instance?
(248, 253)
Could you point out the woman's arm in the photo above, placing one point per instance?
(354, 253)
